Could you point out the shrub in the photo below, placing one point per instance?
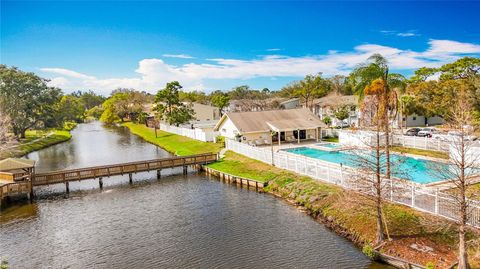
(220, 139)
(69, 125)
(430, 265)
(3, 263)
(369, 251)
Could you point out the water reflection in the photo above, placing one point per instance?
(174, 222)
(94, 144)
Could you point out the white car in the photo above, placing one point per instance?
(342, 124)
(427, 132)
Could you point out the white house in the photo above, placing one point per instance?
(272, 126)
(326, 106)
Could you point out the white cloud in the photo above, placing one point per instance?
(408, 34)
(181, 56)
(273, 49)
(152, 74)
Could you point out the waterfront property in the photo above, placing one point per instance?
(404, 192)
(272, 126)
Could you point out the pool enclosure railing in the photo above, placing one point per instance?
(398, 191)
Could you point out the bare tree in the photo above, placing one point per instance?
(462, 171)
(372, 163)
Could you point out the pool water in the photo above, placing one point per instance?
(409, 168)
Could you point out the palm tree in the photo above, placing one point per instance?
(361, 77)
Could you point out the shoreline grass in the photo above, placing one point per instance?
(173, 143)
(36, 140)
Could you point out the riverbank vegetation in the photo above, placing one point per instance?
(34, 140)
(33, 115)
(177, 144)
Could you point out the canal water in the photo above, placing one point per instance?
(175, 222)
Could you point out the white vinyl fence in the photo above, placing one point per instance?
(400, 191)
(197, 134)
(421, 143)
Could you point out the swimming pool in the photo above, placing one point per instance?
(409, 168)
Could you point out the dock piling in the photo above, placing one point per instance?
(159, 174)
(100, 182)
(67, 187)
(130, 178)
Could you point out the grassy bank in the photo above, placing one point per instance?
(177, 144)
(422, 152)
(352, 214)
(35, 140)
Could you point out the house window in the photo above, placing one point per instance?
(303, 134)
(414, 118)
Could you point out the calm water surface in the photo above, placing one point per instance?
(174, 222)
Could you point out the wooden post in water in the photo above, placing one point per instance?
(130, 179)
(185, 169)
(159, 174)
(67, 187)
(100, 182)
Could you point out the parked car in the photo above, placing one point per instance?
(427, 132)
(413, 131)
(342, 124)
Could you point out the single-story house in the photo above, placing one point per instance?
(204, 112)
(270, 126)
(290, 103)
(416, 120)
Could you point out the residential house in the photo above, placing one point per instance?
(416, 120)
(244, 105)
(326, 106)
(290, 103)
(204, 114)
(292, 125)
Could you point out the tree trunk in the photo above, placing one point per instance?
(387, 129)
(462, 244)
(378, 188)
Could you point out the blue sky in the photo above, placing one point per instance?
(219, 45)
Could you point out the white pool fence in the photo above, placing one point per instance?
(400, 191)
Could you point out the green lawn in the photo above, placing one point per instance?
(423, 152)
(36, 140)
(331, 139)
(177, 144)
(239, 165)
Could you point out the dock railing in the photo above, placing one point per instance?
(120, 169)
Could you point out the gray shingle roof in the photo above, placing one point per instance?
(258, 121)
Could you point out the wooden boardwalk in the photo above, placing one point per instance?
(99, 172)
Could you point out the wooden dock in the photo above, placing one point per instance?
(100, 172)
